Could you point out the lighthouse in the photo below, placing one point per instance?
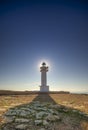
(44, 70)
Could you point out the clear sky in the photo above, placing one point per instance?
(52, 31)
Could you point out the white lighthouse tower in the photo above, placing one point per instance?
(43, 70)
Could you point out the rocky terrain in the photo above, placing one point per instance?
(43, 113)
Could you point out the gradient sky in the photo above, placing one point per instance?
(52, 31)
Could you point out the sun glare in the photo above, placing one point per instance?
(46, 61)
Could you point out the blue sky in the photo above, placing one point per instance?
(52, 31)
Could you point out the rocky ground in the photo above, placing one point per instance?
(43, 113)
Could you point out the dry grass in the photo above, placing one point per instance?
(77, 101)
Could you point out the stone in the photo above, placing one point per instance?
(5, 128)
(65, 110)
(40, 115)
(42, 129)
(21, 127)
(21, 120)
(57, 117)
(11, 113)
(55, 106)
(45, 123)
(9, 120)
(26, 109)
(75, 110)
(52, 118)
(51, 111)
(38, 122)
(86, 115)
(23, 113)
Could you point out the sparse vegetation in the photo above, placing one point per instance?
(72, 110)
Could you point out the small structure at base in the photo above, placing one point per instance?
(43, 70)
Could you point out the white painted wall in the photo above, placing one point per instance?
(44, 87)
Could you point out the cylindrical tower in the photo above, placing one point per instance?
(43, 70)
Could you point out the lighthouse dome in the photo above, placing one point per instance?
(43, 63)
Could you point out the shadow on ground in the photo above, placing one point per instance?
(26, 116)
(44, 97)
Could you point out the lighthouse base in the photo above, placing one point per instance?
(44, 88)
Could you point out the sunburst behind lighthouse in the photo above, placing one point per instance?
(44, 70)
